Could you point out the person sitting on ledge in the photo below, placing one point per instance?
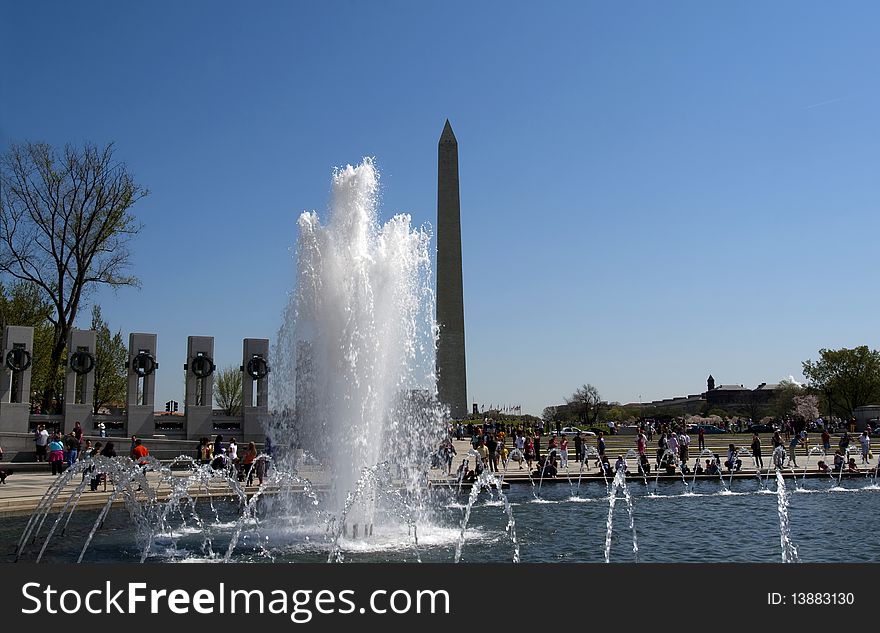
(823, 467)
(464, 474)
(732, 462)
(852, 465)
(838, 461)
(712, 468)
(620, 465)
(545, 468)
(698, 469)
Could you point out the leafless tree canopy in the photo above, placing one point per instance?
(586, 399)
(65, 224)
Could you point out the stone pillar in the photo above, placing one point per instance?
(198, 403)
(81, 357)
(16, 364)
(255, 388)
(451, 366)
(142, 366)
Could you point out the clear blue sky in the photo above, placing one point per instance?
(651, 191)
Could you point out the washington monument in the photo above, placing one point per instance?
(451, 376)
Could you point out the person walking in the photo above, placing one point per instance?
(502, 455)
(529, 453)
(78, 434)
(641, 444)
(519, 443)
(756, 451)
(661, 447)
(41, 441)
(684, 441)
(492, 447)
(792, 457)
(865, 441)
(56, 454)
(72, 449)
(701, 439)
(777, 440)
(672, 444)
(563, 452)
(483, 452)
(844, 443)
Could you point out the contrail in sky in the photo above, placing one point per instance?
(821, 103)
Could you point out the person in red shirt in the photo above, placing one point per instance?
(139, 452)
(826, 440)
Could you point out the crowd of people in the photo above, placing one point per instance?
(221, 454)
(498, 444)
(62, 451)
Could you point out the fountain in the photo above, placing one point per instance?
(355, 354)
(355, 389)
(789, 551)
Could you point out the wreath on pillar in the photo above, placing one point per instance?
(82, 362)
(143, 364)
(18, 359)
(202, 366)
(257, 368)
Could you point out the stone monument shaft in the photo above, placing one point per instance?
(451, 371)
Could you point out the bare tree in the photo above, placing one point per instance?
(227, 390)
(65, 225)
(587, 400)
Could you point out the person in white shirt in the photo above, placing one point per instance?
(684, 440)
(41, 438)
(865, 441)
(672, 443)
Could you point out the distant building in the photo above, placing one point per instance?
(733, 398)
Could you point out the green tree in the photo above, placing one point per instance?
(784, 404)
(110, 356)
(227, 390)
(22, 303)
(65, 226)
(847, 378)
(620, 414)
